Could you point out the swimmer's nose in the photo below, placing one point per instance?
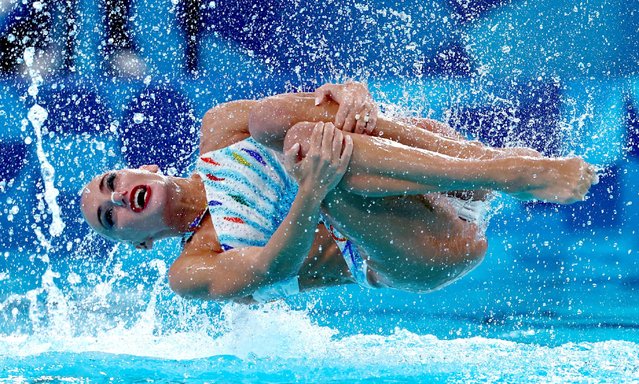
(119, 198)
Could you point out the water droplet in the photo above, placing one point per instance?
(138, 118)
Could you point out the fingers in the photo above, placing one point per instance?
(326, 161)
(327, 141)
(291, 160)
(362, 117)
(316, 139)
(356, 112)
(351, 120)
(364, 124)
(292, 156)
(372, 119)
(323, 93)
(366, 117)
(341, 117)
(338, 142)
(345, 158)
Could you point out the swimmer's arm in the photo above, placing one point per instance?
(225, 124)
(228, 123)
(340, 104)
(237, 273)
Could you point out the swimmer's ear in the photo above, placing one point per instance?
(147, 244)
(150, 168)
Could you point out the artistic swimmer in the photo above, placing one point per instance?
(302, 191)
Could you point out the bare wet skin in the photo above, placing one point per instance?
(561, 180)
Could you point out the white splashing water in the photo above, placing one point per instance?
(277, 333)
(37, 116)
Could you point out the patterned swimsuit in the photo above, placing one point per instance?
(249, 194)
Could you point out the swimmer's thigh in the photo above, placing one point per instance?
(415, 243)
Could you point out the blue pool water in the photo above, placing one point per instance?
(556, 299)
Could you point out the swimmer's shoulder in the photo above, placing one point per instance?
(225, 125)
(200, 251)
(208, 273)
(203, 241)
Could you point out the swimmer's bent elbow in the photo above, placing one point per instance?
(269, 121)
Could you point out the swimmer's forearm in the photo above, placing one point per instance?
(271, 118)
(225, 124)
(228, 123)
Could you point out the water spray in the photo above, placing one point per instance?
(37, 116)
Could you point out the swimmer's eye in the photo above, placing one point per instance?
(108, 217)
(110, 181)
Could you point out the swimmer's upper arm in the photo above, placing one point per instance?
(272, 117)
(230, 275)
(225, 124)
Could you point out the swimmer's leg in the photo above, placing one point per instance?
(417, 132)
(381, 167)
(414, 243)
(270, 120)
(423, 133)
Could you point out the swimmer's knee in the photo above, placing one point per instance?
(266, 119)
(299, 133)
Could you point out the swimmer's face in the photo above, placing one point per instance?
(128, 205)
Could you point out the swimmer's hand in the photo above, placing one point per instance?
(322, 168)
(357, 111)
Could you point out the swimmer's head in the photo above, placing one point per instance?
(129, 205)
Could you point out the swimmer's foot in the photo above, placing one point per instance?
(560, 180)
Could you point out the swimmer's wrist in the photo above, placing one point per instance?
(311, 193)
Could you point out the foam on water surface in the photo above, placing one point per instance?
(274, 338)
(274, 342)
